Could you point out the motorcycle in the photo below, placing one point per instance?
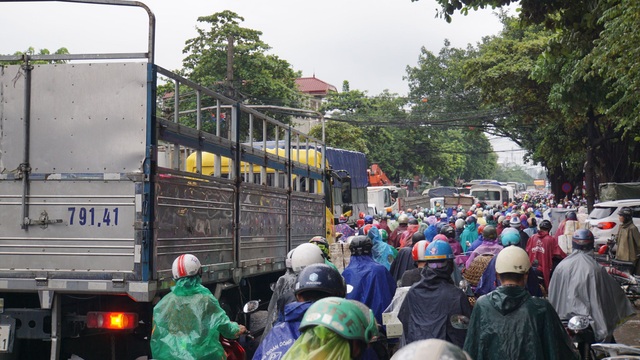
(616, 351)
(621, 271)
(581, 334)
(243, 347)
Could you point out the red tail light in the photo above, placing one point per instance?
(606, 225)
(112, 320)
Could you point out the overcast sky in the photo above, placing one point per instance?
(367, 42)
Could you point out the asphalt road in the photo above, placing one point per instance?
(629, 332)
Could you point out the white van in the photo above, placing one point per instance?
(490, 194)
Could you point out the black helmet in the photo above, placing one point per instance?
(321, 277)
(582, 240)
(490, 232)
(417, 236)
(361, 245)
(626, 213)
(571, 215)
(448, 231)
(546, 225)
(506, 223)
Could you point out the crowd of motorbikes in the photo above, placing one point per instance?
(578, 327)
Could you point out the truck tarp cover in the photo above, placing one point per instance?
(619, 191)
(442, 192)
(352, 161)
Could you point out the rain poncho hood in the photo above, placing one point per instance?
(510, 324)
(579, 286)
(282, 295)
(431, 232)
(382, 252)
(402, 263)
(372, 284)
(319, 343)
(188, 322)
(428, 306)
(283, 334)
(470, 234)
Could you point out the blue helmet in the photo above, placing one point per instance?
(510, 236)
(368, 219)
(438, 250)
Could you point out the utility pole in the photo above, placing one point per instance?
(229, 90)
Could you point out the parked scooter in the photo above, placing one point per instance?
(617, 351)
(621, 271)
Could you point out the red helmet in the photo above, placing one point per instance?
(420, 250)
(361, 215)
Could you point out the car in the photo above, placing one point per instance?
(603, 220)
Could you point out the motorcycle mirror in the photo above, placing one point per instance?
(459, 321)
(250, 306)
(463, 284)
(349, 288)
(578, 322)
(272, 286)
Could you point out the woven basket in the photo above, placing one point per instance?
(474, 272)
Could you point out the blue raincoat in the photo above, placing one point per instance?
(430, 232)
(382, 252)
(283, 334)
(372, 283)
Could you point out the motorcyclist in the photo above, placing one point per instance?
(490, 244)
(508, 323)
(565, 231)
(516, 223)
(323, 244)
(450, 233)
(368, 220)
(436, 288)
(488, 281)
(470, 233)
(382, 252)
(543, 248)
(283, 292)
(418, 252)
(314, 282)
(580, 286)
(394, 238)
(372, 284)
(188, 321)
(344, 228)
(404, 261)
(628, 239)
(333, 328)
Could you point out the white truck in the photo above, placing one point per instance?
(90, 221)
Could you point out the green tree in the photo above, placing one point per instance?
(32, 51)
(258, 77)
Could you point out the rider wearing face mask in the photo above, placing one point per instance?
(580, 286)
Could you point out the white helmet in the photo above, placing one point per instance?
(430, 349)
(460, 223)
(515, 221)
(305, 255)
(287, 261)
(512, 259)
(185, 265)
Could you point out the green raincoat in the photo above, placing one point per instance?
(508, 323)
(187, 324)
(319, 343)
